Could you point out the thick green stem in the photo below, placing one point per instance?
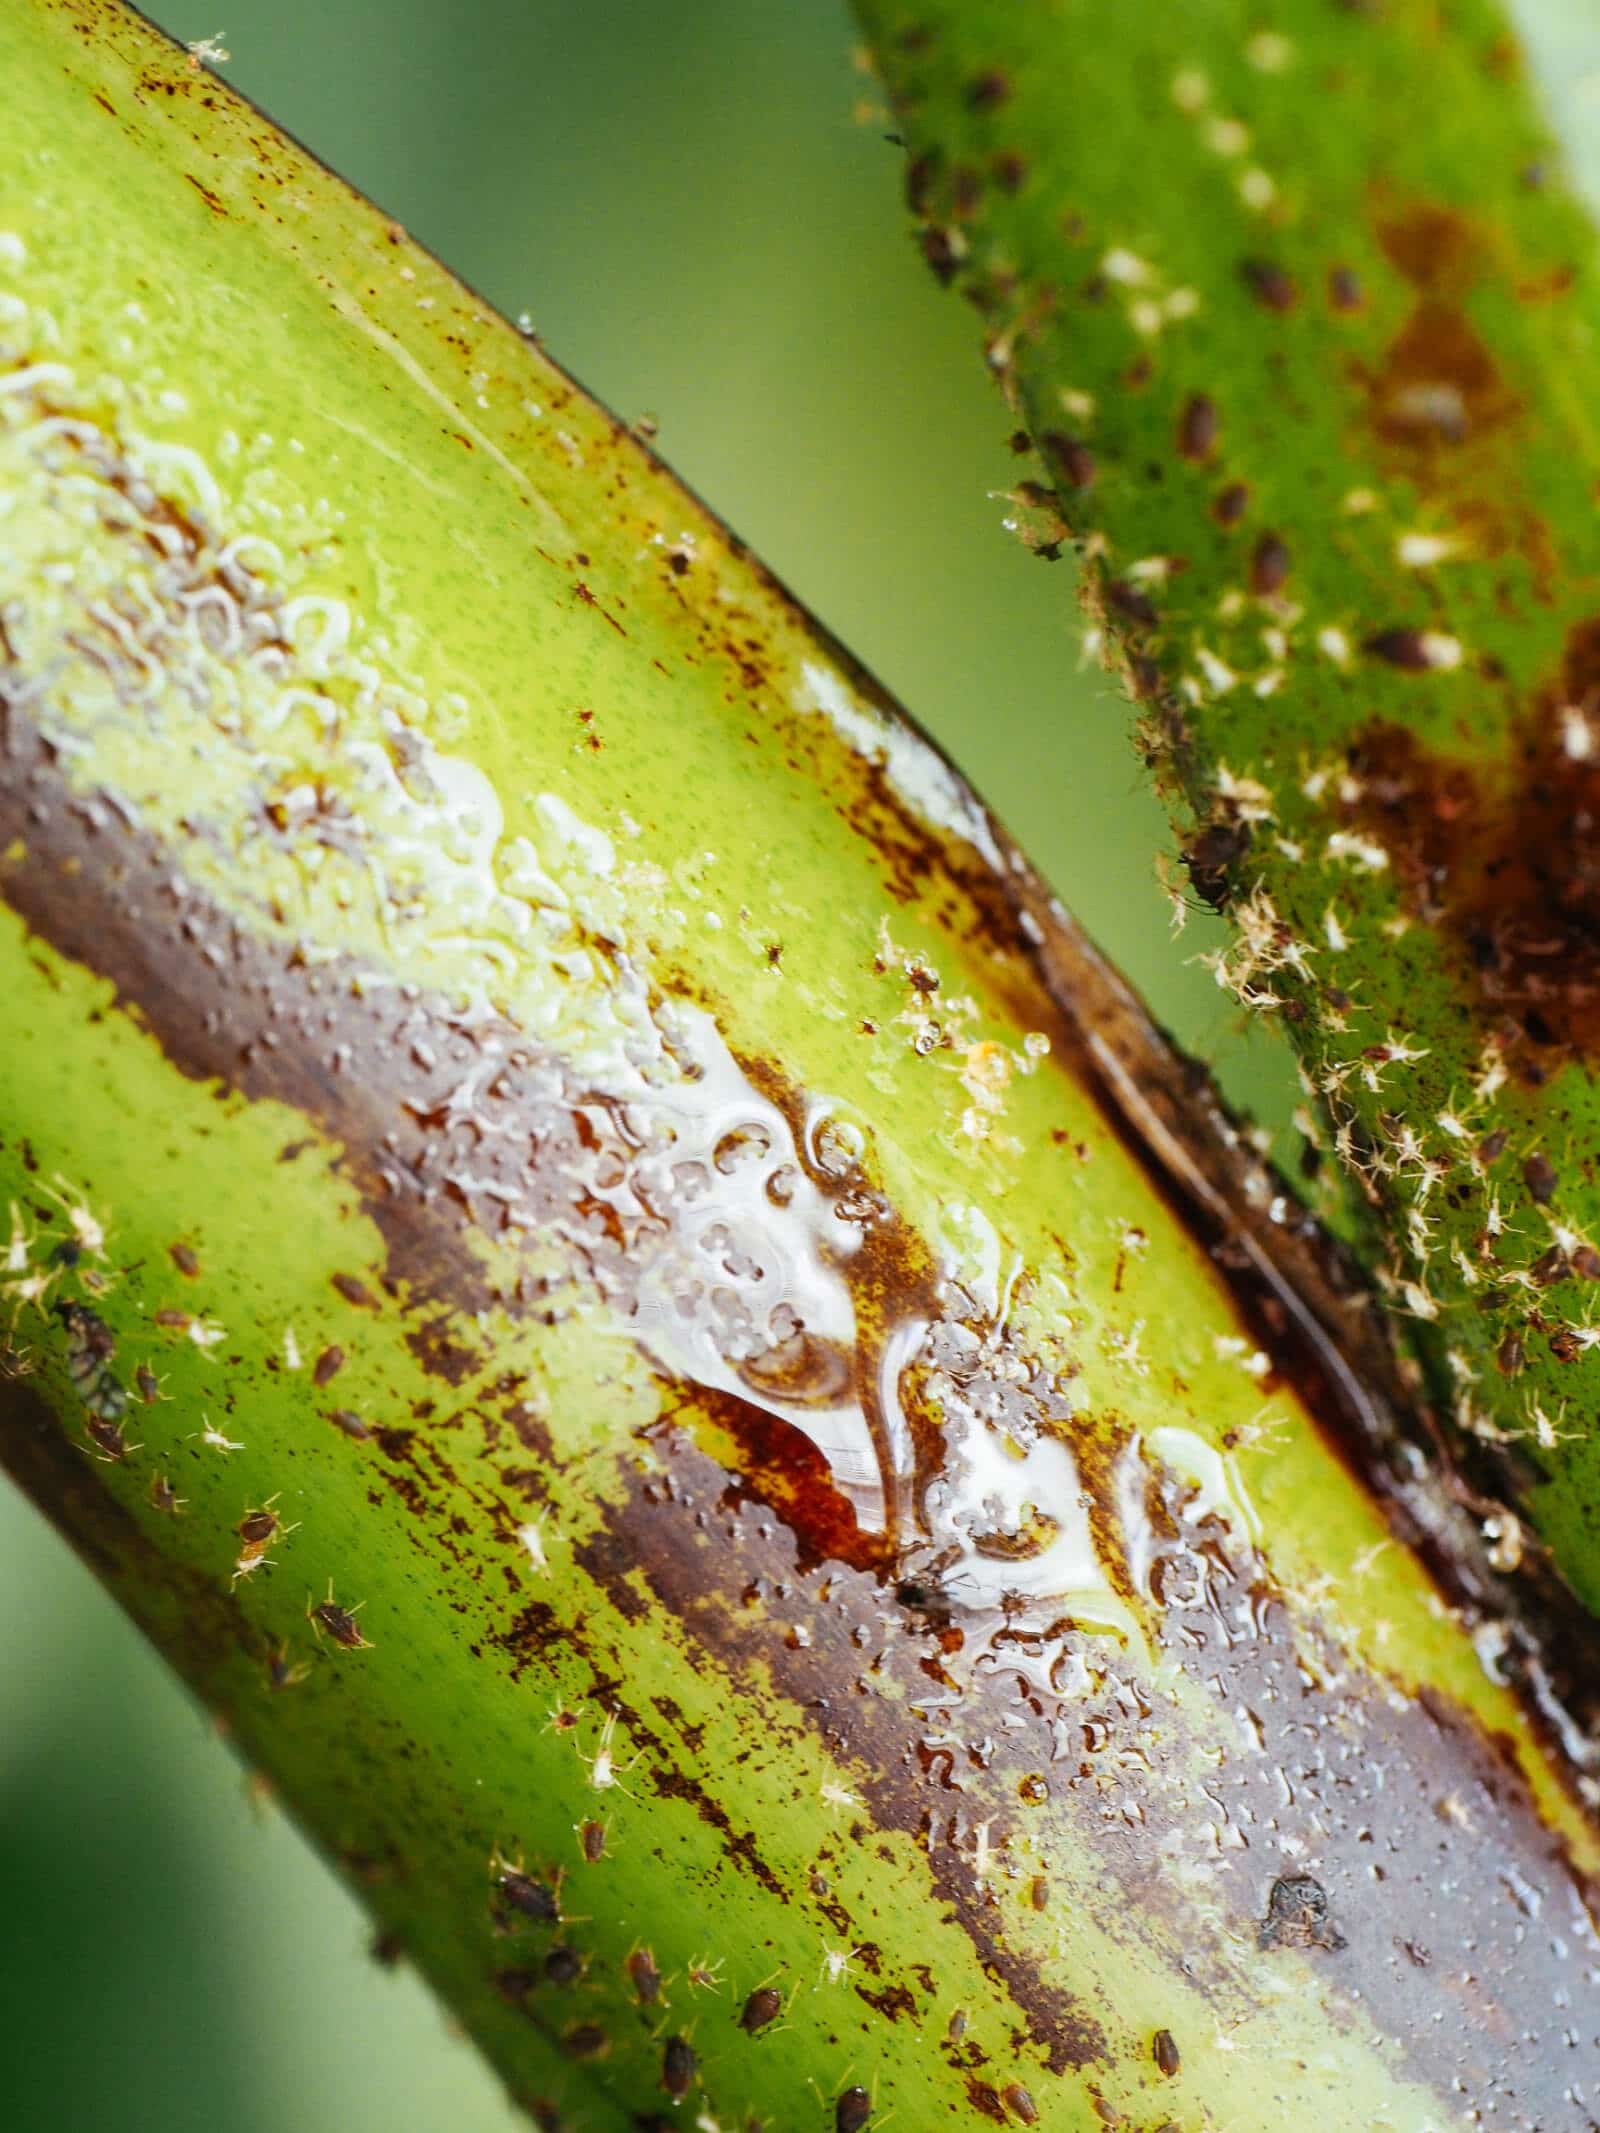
(614, 1286)
(1302, 319)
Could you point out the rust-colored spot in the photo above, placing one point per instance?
(1438, 387)
(1433, 247)
(207, 195)
(1508, 865)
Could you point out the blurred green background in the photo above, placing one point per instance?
(705, 226)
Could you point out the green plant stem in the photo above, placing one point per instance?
(580, 1251)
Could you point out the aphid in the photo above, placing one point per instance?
(343, 1418)
(257, 1530)
(91, 1345)
(644, 1976)
(602, 1765)
(327, 1366)
(563, 1965)
(705, 1974)
(339, 1622)
(114, 1447)
(1197, 427)
(764, 2005)
(1269, 566)
(1164, 2051)
(149, 1385)
(592, 1841)
(280, 1673)
(164, 1497)
(678, 2067)
(1269, 284)
(88, 1231)
(528, 1896)
(210, 1434)
(1020, 2103)
(587, 2041)
(852, 2111)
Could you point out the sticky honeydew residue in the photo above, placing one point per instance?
(150, 620)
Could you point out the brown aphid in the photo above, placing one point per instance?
(944, 251)
(644, 1976)
(1400, 648)
(1209, 856)
(339, 1622)
(1020, 2104)
(587, 2041)
(1197, 427)
(563, 1965)
(327, 1366)
(1164, 2051)
(764, 2005)
(164, 1497)
(345, 1419)
(1539, 1175)
(1269, 284)
(1585, 1262)
(355, 1292)
(1133, 605)
(107, 1435)
(1493, 1145)
(852, 2111)
(281, 1674)
(183, 1258)
(678, 2065)
(1269, 566)
(592, 1841)
(1549, 1267)
(1564, 1344)
(1039, 1893)
(989, 90)
(530, 1897)
(148, 1383)
(1508, 1356)
(1230, 505)
(1069, 459)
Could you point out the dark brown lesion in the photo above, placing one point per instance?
(1503, 858)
